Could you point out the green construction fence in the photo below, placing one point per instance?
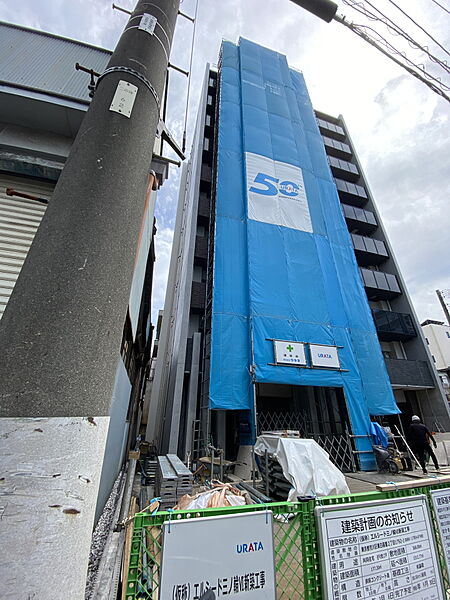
(297, 557)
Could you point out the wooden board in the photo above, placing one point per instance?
(407, 485)
(127, 547)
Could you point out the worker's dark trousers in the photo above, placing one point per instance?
(420, 453)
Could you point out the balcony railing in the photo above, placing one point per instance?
(337, 148)
(203, 206)
(331, 129)
(379, 285)
(198, 295)
(206, 173)
(342, 168)
(351, 193)
(369, 251)
(392, 326)
(404, 373)
(359, 220)
(201, 247)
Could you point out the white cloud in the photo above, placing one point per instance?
(399, 127)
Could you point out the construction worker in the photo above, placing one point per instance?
(419, 438)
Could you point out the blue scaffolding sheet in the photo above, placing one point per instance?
(284, 266)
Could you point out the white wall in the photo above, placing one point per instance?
(438, 337)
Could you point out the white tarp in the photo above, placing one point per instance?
(305, 465)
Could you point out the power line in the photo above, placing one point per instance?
(420, 68)
(190, 76)
(326, 10)
(443, 7)
(420, 27)
(394, 28)
(359, 30)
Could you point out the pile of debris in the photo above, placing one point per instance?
(173, 480)
(218, 495)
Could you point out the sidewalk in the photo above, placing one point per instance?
(366, 481)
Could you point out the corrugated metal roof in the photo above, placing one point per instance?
(46, 63)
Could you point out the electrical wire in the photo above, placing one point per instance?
(359, 30)
(440, 5)
(420, 27)
(384, 42)
(394, 28)
(190, 76)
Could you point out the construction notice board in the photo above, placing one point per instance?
(441, 505)
(380, 550)
(231, 555)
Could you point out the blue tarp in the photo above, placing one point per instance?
(284, 266)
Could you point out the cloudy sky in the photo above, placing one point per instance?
(399, 127)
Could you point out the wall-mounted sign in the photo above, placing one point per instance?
(441, 505)
(289, 353)
(324, 356)
(231, 555)
(276, 193)
(379, 550)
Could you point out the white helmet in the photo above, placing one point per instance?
(415, 418)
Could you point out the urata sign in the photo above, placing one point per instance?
(276, 193)
(231, 555)
(324, 356)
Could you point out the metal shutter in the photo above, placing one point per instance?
(19, 220)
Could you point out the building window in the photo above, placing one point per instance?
(206, 144)
(426, 339)
(210, 100)
(434, 360)
(208, 120)
(448, 334)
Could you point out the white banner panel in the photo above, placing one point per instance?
(276, 193)
(231, 555)
(324, 356)
(441, 505)
(379, 550)
(289, 353)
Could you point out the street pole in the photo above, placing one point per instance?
(62, 329)
(444, 305)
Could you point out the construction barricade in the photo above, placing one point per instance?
(299, 559)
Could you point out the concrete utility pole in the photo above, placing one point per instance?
(62, 328)
(444, 305)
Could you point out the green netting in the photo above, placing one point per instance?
(297, 559)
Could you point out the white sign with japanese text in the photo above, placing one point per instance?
(231, 555)
(381, 550)
(441, 505)
(289, 353)
(324, 356)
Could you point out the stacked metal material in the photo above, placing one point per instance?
(173, 480)
(185, 478)
(149, 468)
(279, 486)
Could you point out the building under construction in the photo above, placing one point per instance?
(285, 308)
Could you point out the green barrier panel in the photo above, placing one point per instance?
(297, 560)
